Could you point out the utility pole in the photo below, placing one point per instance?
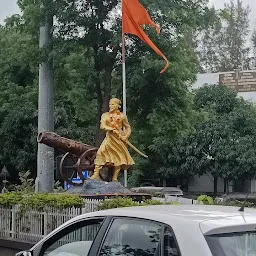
(45, 154)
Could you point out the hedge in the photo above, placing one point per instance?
(120, 202)
(41, 200)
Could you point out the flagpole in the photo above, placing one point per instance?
(124, 94)
(124, 74)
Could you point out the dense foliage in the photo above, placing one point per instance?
(224, 45)
(183, 133)
(86, 53)
(222, 143)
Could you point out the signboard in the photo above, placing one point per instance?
(241, 81)
(67, 186)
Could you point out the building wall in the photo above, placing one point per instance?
(204, 184)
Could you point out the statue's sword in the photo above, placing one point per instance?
(135, 149)
(132, 146)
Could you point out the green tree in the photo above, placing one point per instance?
(19, 58)
(18, 97)
(223, 141)
(223, 46)
(254, 47)
(86, 51)
(93, 26)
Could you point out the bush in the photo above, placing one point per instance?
(27, 183)
(24, 196)
(120, 202)
(207, 200)
(40, 201)
(239, 203)
(11, 198)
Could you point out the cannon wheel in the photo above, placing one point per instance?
(68, 169)
(86, 161)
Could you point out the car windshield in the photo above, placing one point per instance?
(233, 244)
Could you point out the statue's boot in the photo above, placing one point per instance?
(115, 173)
(96, 173)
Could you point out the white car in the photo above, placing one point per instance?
(161, 230)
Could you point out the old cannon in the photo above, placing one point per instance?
(78, 156)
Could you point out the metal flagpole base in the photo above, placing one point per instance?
(125, 178)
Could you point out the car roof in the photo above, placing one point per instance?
(193, 213)
(189, 222)
(208, 218)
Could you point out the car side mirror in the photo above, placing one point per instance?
(24, 253)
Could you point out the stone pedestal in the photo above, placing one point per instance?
(98, 189)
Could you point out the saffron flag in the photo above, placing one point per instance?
(133, 16)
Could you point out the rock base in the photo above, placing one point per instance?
(99, 187)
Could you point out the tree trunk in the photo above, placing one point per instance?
(99, 100)
(215, 185)
(103, 87)
(225, 185)
(103, 103)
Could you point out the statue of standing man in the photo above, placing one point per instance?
(113, 150)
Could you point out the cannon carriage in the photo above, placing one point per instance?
(78, 156)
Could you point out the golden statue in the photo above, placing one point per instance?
(113, 150)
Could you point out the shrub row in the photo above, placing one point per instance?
(40, 201)
(120, 202)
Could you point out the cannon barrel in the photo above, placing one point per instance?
(55, 141)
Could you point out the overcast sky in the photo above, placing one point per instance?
(9, 7)
(252, 3)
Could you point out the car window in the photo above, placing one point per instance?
(233, 244)
(75, 240)
(170, 245)
(132, 237)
